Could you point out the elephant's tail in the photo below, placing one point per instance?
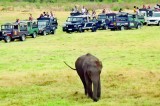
(69, 66)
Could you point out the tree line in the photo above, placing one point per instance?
(55, 1)
(58, 1)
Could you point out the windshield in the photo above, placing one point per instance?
(6, 27)
(122, 18)
(111, 17)
(101, 17)
(71, 19)
(42, 23)
(156, 14)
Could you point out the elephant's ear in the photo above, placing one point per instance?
(98, 63)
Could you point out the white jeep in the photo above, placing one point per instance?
(154, 19)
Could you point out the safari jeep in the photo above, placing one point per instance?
(10, 32)
(105, 19)
(79, 23)
(47, 25)
(32, 28)
(125, 21)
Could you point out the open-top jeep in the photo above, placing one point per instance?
(139, 18)
(79, 23)
(125, 21)
(105, 19)
(47, 25)
(11, 31)
(32, 27)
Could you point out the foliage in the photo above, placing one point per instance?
(55, 1)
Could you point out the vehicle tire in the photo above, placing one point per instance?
(34, 35)
(138, 26)
(44, 33)
(112, 29)
(7, 39)
(105, 27)
(159, 23)
(148, 25)
(93, 29)
(122, 28)
(53, 31)
(80, 29)
(23, 38)
(68, 32)
(12, 39)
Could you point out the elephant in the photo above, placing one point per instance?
(89, 69)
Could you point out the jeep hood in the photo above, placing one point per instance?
(6, 31)
(74, 22)
(153, 18)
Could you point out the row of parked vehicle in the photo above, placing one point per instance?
(20, 30)
(80, 23)
(113, 21)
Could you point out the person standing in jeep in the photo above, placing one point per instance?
(30, 17)
(83, 10)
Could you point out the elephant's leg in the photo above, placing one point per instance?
(88, 85)
(81, 75)
(99, 89)
(84, 84)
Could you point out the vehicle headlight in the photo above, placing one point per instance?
(156, 21)
(4, 32)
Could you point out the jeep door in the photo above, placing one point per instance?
(132, 22)
(23, 29)
(29, 28)
(16, 31)
(48, 26)
(53, 25)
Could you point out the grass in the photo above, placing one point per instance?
(33, 73)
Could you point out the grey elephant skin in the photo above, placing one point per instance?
(89, 69)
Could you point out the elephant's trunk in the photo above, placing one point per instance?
(95, 90)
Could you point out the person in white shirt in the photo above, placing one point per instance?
(83, 10)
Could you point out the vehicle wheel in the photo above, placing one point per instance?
(44, 33)
(105, 27)
(53, 31)
(158, 23)
(22, 38)
(7, 39)
(138, 26)
(148, 25)
(68, 31)
(122, 28)
(112, 29)
(12, 39)
(93, 29)
(80, 29)
(34, 35)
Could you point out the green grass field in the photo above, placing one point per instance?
(32, 73)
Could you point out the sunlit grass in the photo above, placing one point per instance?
(33, 73)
